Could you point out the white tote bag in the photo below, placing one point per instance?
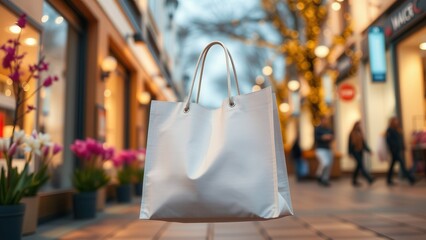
(215, 165)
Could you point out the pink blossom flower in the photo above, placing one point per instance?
(10, 56)
(30, 108)
(15, 76)
(48, 82)
(43, 66)
(22, 21)
(32, 68)
(57, 148)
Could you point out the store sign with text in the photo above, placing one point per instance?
(404, 16)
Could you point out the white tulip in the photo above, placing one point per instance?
(44, 139)
(19, 137)
(33, 145)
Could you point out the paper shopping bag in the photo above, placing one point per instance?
(216, 165)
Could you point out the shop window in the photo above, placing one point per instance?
(55, 116)
(30, 38)
(116, 107)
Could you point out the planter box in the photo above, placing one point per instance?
(11, 218)
(31, 214)
(84, 205)
(101, 199)
(124, 193)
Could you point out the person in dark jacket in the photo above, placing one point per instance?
(356, 148)
(323, 139)
(396, 147)
(300, 164)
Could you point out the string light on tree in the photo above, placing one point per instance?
(267, 70)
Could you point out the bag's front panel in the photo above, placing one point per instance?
(214, 165)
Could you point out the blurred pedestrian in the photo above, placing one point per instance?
(323, 139)
(396, 147)
(300, 165)
(356, 148)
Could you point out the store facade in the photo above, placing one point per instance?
(96, 97)
(401, 91)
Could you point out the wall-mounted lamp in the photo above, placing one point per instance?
(137, 37)
(109, 64)
(144, 98)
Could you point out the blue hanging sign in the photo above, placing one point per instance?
(377, 53)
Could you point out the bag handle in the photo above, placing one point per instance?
(203, 57)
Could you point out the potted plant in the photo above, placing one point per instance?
(123, 162)
(138, 172)
(13, 182)
(89, 177)
(38, 144)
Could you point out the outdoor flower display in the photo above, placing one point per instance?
(124, 162)
(89, 176)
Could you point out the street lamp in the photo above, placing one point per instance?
(321, 51)
(171, 6)
(293, 85)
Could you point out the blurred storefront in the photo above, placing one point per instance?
(98, 49)
(390, 82)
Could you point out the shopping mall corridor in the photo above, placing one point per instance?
(338, 212)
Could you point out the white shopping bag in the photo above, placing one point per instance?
(216, 165)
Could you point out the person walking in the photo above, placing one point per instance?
(396, 147)
(323, 139)
(300, 165)
(356, 148)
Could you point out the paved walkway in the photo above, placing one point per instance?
(338, 212)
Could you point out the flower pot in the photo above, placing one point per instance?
(31, 214)
(100, 199)
(138, 188)
(11, 218)
(124, 193)
(84, 205)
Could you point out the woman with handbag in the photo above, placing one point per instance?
(356, 148)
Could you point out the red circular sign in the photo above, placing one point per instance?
(347, 92)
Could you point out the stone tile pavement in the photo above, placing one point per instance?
(339, 212)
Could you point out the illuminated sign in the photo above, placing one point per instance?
(377, 53)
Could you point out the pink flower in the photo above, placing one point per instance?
(22, 21)
(94, 147)
(48, 82)
(12, 149)
(57, 148)
(30, 108)
(15, 76)
(80, 150)
(45, 151)
(43, 66)
(118, 160)
(10, 56)
(32, 68)
(108, 153)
